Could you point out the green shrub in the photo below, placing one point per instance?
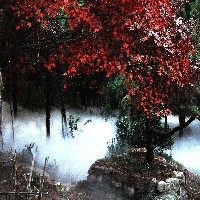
(133, 133)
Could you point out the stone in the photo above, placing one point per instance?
(161, 186)
(90, 171)
(174, 183)
(122, 177)
(91, 178)
(164, 196)
(116, 184)
(132, 185)
(178, 174)
(99, 178)
(130, 191)
(100, 168)
(167, 187)
(183, 193)
(141, 152)
(152, 185)
(154, 180)
(106, 170)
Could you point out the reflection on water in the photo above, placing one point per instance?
(73, 156)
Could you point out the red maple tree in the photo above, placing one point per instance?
(142, 40)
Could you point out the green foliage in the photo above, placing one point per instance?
(63, 19)
(88, 121)
(133, 132)
(185, 101)
(128, 162)
(114, 92)
(81, 2)
(131, 127)
(73, 124)
(195, 9)
(116, 147)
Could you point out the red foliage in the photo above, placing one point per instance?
(137, 39)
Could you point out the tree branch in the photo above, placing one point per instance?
(174, 130)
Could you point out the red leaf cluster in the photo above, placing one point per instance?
(141, 40)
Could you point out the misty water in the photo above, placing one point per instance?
(73, 156)
(186, 149)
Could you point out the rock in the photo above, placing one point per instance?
(164, 196)
(183, 193)
(161, 186)
(116, 184)
(106, 170)
(141, 152)
(122, 177)
(99, 178)
(130, 191)
(135, 184)
(174, 183)
(91, 178)
(167, 188)
(91, 171)
(100, 168)
(152, 185)
(178, 174)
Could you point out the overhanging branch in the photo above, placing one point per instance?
(174, 130)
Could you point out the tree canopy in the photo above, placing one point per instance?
(143, 41)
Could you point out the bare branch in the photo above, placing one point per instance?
(174, 130)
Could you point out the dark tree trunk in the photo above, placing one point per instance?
(48, 105)
(63, 113)
(165, 121)
(28, 91)
(14, 97)
(181, 122)
(1, 104)
(149, 147)
(14, 89)
(164, 136)
(48, 116)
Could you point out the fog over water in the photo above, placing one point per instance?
(74, 156)
(186, 150)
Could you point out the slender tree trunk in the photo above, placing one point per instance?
(48, 116)
(12, 121)
(1, 104)
(165, 121)
(149, 148)
(181, 122)
(28, 91)
(13, 89)
(14, 96)
(48, 106)
(63, 113)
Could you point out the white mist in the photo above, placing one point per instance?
(186, 149)
(72, 156)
